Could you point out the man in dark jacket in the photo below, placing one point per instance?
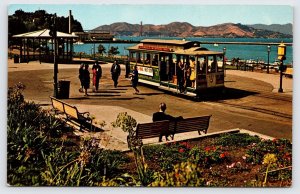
(115, 72)
(161, 116)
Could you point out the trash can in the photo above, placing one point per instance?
(16, 59)
(63, 89)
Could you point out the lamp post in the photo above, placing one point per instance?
(281, 56)
(224, 50)
(269, 50)
(94, 46)
(53, 34)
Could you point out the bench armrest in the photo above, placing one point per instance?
(85, 114)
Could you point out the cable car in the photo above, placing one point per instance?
(177, 65)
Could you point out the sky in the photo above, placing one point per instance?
(93, 15)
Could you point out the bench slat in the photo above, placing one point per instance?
(71, 111)
(58, 105)
(150, 130)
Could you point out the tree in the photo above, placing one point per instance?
(113, 51)
(101, 49)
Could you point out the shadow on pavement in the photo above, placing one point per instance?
(106, 91)
(150, 94)
(227, 94)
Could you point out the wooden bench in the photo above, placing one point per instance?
(288, 72)
(170, 128)
(72, 114)
(199, 124)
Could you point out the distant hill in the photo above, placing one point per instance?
(284, 29)
(184, 29)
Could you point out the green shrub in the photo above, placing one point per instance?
(236, 139)
(37, 154)
(282, 148)
(166, 155)
(185, 174)
(207, 156)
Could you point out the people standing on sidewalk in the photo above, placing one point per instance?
(81, 70)
(86, 79)
(180, 76)
(97, 74)
(115, 72)
(135, 79)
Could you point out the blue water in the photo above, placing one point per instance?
(254, 52)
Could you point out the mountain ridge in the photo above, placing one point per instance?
(185, 29)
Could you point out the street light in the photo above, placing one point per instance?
(94, 46)
(269, 50)
(281, 56)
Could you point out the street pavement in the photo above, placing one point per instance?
(115, 137)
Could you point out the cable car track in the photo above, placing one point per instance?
(260, 110)
(269, 95)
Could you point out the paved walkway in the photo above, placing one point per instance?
(273, 79)
(113, 138)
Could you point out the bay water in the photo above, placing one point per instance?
(244, 52)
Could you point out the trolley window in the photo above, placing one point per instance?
(220, 66)
(201, 65)
(212, 64)
(132, 56)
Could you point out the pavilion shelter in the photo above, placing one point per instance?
(39, 45)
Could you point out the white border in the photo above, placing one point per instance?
(46, 190)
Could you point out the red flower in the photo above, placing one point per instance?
(207, 149)
(181, 150)
(222, 155)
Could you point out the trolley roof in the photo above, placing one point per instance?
(197, 51)
(189, 51)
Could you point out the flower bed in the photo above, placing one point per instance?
(41, 153)
(229, 160)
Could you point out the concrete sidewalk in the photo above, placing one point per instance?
(273, 79)
(116, 136)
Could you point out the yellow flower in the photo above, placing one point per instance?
(269, 159)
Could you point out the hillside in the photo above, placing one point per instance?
(184, 29)
(284, 29)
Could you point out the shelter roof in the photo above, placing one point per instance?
(43, 34)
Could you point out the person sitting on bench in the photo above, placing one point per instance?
(161, 116)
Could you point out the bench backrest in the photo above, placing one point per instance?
(71, 111)
(58, 105)
(193, 124)
(149, 130)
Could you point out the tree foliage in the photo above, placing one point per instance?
(101, 49)
(113, 51)
(22, 22)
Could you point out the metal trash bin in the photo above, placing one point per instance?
(63, 89)
(16, 59)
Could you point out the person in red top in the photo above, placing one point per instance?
(97, 74)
